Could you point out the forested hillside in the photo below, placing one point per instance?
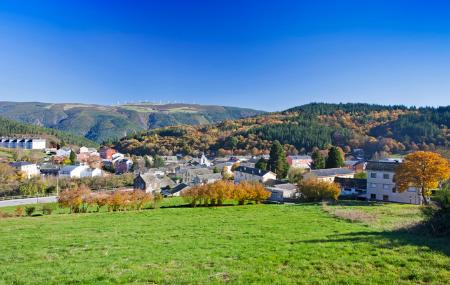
(54, 137)
(375, 128)
(103, 122)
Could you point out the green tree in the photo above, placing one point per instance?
(277, 162)
(158, 161)
(334, 158)
(318, 161)
(295, 175)
(33, 187)
(72, 157)
(261, 164)
(360, 175)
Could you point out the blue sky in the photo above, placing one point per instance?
(269, 55)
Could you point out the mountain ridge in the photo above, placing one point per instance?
(375, 128)
(104, 122)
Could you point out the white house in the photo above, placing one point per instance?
(282, 192)
(381, 187)
(63, 152)
(329, 174)
(299, 161)
(79, 171)
(244, 173)
(29, 169)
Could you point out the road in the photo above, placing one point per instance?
(27, 201)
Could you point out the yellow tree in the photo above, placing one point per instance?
(422, 170)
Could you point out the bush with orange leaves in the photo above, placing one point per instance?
(316, 190)
(79, 198)
(76, 198)
(216, 193)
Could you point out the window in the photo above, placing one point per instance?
(373, 196)
(394, 190)
(373, 185)
(373, 175)
(386, 186)
(385, 198)
(385, 175)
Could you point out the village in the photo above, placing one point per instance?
(170, 176)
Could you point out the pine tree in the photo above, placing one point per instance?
(318, 161)
(277, 162)
(72, 157)
(334, 158)
(261, 164)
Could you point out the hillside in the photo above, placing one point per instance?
(54, 137)
(375, 128)
(99, 122)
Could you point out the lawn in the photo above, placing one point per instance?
(262, 244)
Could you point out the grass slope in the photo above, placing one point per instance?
(262, 244)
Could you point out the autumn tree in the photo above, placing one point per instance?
(316, 190)
(76, 198)
(422, 170)
(7, 174)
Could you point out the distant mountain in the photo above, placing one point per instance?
(374, 128)
(11, 128)
(100, 122)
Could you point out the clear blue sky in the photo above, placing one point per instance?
(269, 55)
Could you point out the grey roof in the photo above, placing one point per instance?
(178, 188)
(20, 164)
(285, 187)
(209, 176)
(252, 171)
(331, 172)
(150, 177)
(300, 156)
(379, 165)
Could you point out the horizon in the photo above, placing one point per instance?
(201, 104)
(256, 55)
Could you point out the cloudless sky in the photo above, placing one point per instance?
(269, 55)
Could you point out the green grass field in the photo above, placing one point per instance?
(259, 244)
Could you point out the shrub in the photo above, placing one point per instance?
(117, 201)
(76, 198)
(157, 199)
(215, 193)
(315, 190)
(30, 210)
(20, 211)
(5, 215)
(139, 199)
(47, 209)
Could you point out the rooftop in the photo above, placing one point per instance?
(382, 165)
(252, 171)
(331, 172)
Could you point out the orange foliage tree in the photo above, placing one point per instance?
(316, 190)
(216, 193)
(76, 198)
(422, 170)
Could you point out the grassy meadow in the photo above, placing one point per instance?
(252, 244)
